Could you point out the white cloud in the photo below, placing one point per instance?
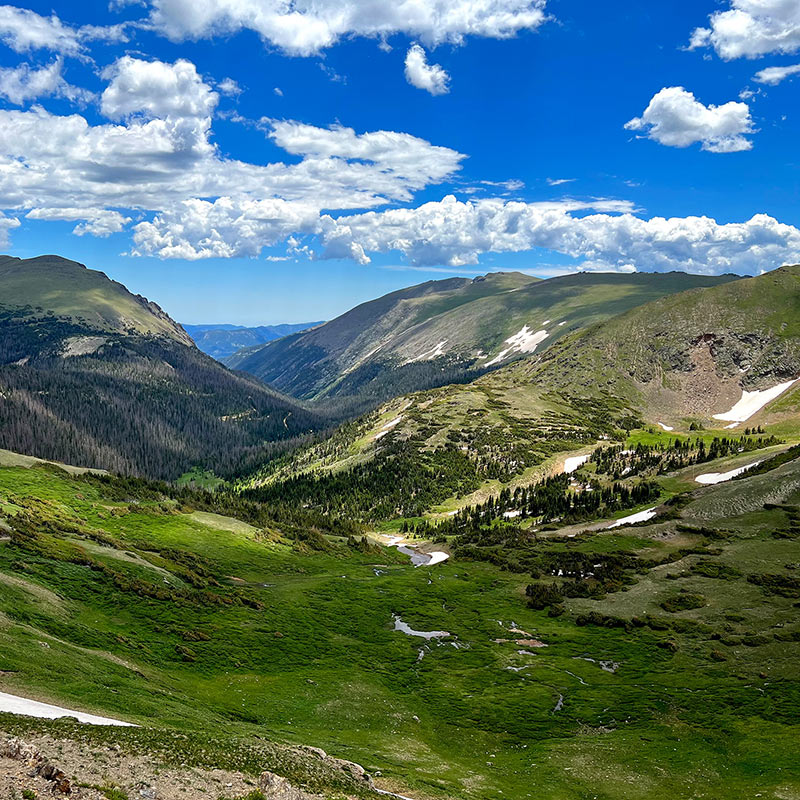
(7, 224)
(676, 118)
(278, 91)
(224, 228)
(752, 28)
(23, 30)
(305, 27)
(430, 77)
(20, 84)
(774, 75)
(229, 87)
(456, 233)
(97, 222)
(160, 159)
(154, 90)
(559, 181)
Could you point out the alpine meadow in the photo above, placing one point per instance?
(399, 399)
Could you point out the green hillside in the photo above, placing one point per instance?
(91, 374)
(671, 364)
(448, 331)
(55, 286)
(656, 661)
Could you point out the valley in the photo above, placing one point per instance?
(570, 575)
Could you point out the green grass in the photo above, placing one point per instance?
(317, 661)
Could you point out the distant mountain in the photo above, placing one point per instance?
(721, 359)
(94, 375)
(448, 331)
(224, 340)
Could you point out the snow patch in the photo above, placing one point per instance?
(721, 477)
(573, 462)
(752, 402)
(641, 516)
(11, 704)
(665, 427)
(524, 341)
(429, 355)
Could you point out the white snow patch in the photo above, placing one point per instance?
(11, 704)
(562, 323)
(546, 322)
(753, 402)
(665, 427)
(721, 477)
(511, 514)
(429, 355)
(524, 341)
(573, 462)
(641, 516)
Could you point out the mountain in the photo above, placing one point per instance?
(448, 331)
(721, 358)
(221, 340)
(92, 374)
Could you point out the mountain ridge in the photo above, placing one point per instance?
(448, 331)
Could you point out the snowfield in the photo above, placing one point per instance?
(11, 704)
(721, 477)
(573, 462)
(752, 402)
(665, 427)
(524, 341)
(641, 516)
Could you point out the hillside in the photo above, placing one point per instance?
(447, 331)
(221, 341)
(648, 662)
(91, 374)
(720, 358)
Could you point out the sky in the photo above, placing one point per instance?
(260, 161)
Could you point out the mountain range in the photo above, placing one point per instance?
(222, 340)
(510, 536)
(705, 358)
(448, 331)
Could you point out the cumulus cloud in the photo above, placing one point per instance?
(23, 30)
(456, 233)
(159, 158)
(306, 27)
(430, 77)
(772, 76)
(22, 83)
(223, 228)
(676, 118)
(752, 28)
(154, 89)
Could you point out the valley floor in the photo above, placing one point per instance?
(220, 637)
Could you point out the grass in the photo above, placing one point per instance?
(317, 660)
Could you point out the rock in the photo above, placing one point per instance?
(274, 787)
(315, 751)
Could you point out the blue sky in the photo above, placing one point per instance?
(133, 137)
